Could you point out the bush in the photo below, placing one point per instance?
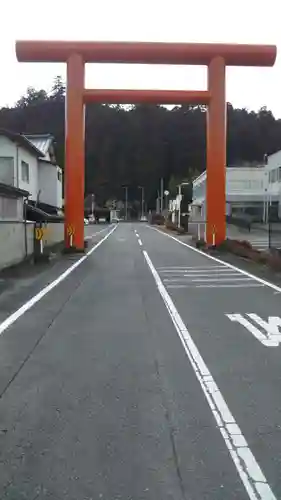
(157, 219)
(245, 249)
(274, 261)
(200, 243)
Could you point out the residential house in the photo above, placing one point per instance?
(49, 174)
(28, 163)
(19, 162)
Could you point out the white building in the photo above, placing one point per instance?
(29, 164)
(49, 173)
(273, 179)
(246, 191)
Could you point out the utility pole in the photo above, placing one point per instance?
(92, 205)
(142, 200)
(179, 211)
(161, 194)
(126, 202)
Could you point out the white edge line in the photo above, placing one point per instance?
(247, 467)
(215, 259)
(30, 303)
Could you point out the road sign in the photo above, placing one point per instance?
(70, 230)
(39, 233)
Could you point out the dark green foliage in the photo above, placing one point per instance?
(136, 146)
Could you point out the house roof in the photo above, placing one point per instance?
(22, 141)
(43, 142)
(12, 191)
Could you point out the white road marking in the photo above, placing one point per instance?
(140, 242)
(241, 285)
(197, 271)
(268, 342)
(209, 280)
(249, 470)
(89, 237)
(219, 261)
(218, 275)
(31, 302)
(183, 268)
(225, 273)
(226, 285)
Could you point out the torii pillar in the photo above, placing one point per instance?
(215, 56)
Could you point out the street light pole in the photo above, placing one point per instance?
(126, 202)
(142, 200)
(161, 194)
(179, 211)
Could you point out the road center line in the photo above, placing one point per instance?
(31, 302)
(248, 469)
(219, 261)
(140, 242)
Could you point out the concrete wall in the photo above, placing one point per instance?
(54, 233)
(14, 246)
(11, 208)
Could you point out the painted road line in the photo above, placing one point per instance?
(89, 237)
(199, 271)
(263, 339)
(140, 242)
(31, 302)
(213, 275)
(186, 268)
(219, 261)
(226, 285)
(210, 280)
(245, 462)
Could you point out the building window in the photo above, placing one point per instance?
(59, 176)
(279, 169)
(7, 170)
(24, 171)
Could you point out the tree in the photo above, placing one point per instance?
(32, 97)
(58, 90)
(139, 145)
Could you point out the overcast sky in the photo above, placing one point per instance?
(238, 21)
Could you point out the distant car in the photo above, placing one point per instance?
(86, 222)
(143, 218)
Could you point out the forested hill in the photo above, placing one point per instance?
(138, 145)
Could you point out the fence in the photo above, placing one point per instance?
(17, 240)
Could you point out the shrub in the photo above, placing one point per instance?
(201, 243)
(157, 219)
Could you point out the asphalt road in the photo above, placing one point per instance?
(142, 371)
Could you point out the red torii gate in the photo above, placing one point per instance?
(215, 56)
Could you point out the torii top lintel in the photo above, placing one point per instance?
(146, 52)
